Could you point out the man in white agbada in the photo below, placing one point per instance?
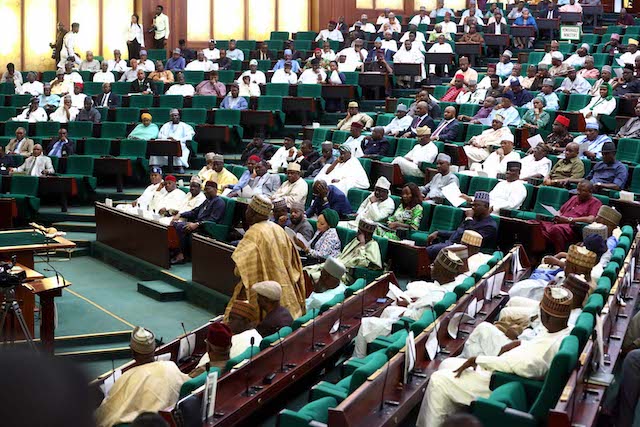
(345, 173)
(329, 285)
(70, 46)
(117, 63)
(66, 112)
(424, 151)
(412, 303)
(194, 198)
(145, 63)
(104, 75)
(478, 146)
(497, 161)
(400, 122)
(510, 193)
(211, 52)
(255, 76)
(377, 207)
(172, 200)
(175, 130)
(284, 155)
(536, 165)
(354, 56)
(441, 47)
(408, 55)
(574, 83)
(200, 64)
(454, 384)
(154, 189)
(294, 189)
(354, 141)
(180, 87)
(148, 387)
(33, 113)
(31, 86)
(578, 58)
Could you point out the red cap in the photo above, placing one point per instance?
(357, 125)
(255, 158)
(493, 66)
(317, 50)
(78, 84)
(564, 121)
(460, 76)
(170, 178)
(219, 335)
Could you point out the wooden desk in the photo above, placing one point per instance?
(338, 91)
(61, 187)
(231, 402)
(214, 138)
(570, 17)
(46, 290)
(169, 148)
(409, 259)
(523, 31)
(8, 211)
(119, 167)
(133, 235)
(497, 40)
(630, 211)
(548, 24)
(377, 82)
(526, 232)
(25, 242)
(388, 170)
(212, 265)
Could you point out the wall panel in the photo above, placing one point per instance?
(262, 19)
(293, 15)
(39, 30)
(228, 19)
(198, 18)
(87, 14)
(10, 22)
(116, 18)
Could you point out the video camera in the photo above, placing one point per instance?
(9, 279)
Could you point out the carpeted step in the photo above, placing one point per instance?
(81, 239)
(160, 291)
(92, 347)
(72, 252)
(83, 227)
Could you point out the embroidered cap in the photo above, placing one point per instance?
(556, 301)
(268, 289)
(334, 267)
(142, 341)
(261, 205)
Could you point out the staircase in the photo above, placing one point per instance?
(160, 290)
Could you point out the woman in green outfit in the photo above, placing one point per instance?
(145, 130)
(406, 217)
(536, 118)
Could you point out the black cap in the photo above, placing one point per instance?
(609, 147)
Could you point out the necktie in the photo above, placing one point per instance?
(33, 165)
(18, 145)
(105, 100)
(442, 125)
(550, 14)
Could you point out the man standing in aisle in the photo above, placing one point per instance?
(160, 28)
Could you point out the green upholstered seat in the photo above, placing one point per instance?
(97, 146)
(194, 115)
(320, 135)
(481, 271)
(171, 101)
(317, 411)
(241, 357)
(127, 115)
(529, 409)
(304, 319)
(157, 54)
(355, 287)
(193, 384)
(356, 196)
(551, 196)
(349, 384)
(113, 130)
(10, 127)
(81, 168)
(463, 287)
(24, 189)
(583, 328)
(141, 101)
(221, 231)
(133, 148)
(594, 304)
(353, 363)
(481, 183)
(80, 129)
(227, 117)
(47, 129)
(205, 101)
(310, 90)
(20, 100)
(277, 89)
(446, 218)
(193, 77)
(120, 88)
(268, 340)
(577, 101)
(332, 302)
(7, 113)
(469, 109)
(306, 35)
(340, 136)
(441, 306)
(603, 286)
(618, 256)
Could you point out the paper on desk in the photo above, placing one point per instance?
(409, 356)
(454, 325)
(535, 140)
(293, 236)
(517, 266)
(620, 62)
(187, 346)
(553, 211)
(627, 196)
(452, 193)
(496, 285)
(109, 381)
(164, 357)
(472, 307)
(432, 346)
(395, 293)
(226, 192)
(209, 398)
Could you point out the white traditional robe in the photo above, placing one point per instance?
(77, 101)
(374, 211)
(101, 77)
(61, 117)
(36, 88)
(147, 65)
(419, 153)
(181, 132)
(507, 195)
(191, 202)
(316, 299)
(296, 192)
(282, 157)
(196, 65)
(145, 198)
(629, 58)
(354, 145)
(170, 201)
(599, 106)
(258, 77)
(36, 116)
(348, 175)
(493, 165)
(578, 85)
(69, 46)
(531, 167)
(398, 125)
(445, 393)
(145, 388)
(353, 58)
(211, 54)
(239, 343)
(251, 89)
(439, 48)
(280, 76)
(330, 35)
(413, 56)
(120, 66)
(487, 138)
(309, 76)
(184, 90)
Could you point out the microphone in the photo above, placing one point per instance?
(284, 367)
(315, 345)
(362, 302)
(384, 385)
(342, 326)
(249, 391)
(188, 358)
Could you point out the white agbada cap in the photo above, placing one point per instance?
(268, 289)
(334, 267)
(383, 183)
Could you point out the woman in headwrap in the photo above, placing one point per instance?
(325, 243)
(536, 117)
(407, 216)
(603, 103)
(145, 130)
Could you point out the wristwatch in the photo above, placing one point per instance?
(571, 220)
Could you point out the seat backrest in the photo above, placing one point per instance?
(445, 218)
(194, 115)
(268, 340)
(113, 130)
(171, 101)
(80, 129)
(97, 146)
(133, 148)
(277, 89)
(583, 328)
(356, 196)
(561, 366)
(360, 375)
(205, 101)
(404, 145)
(141, 101)
(427, 318)
(80, 165)
(304, 319)
(310, 90)
(229, 209)
(271, 103)
(481, 183)
(628, 150)
(340, 136)
(127, 115)
(332, 302)
(594, 304)
(227, 117)
(242, 356)
(552, 196)
(577, 101)
(463, 287)
(24, 184)
(441, 306)
(195, 383)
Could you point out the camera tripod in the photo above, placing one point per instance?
(10, 304)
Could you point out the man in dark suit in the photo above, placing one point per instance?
(420, 119)
(448, 128)
(142, 84)
(211, 209)
(263, 53)
(108, 98)
(548, 10)
(62, 147)
(495, 28)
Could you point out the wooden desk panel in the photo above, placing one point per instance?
(212, 265)
(138, 237)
